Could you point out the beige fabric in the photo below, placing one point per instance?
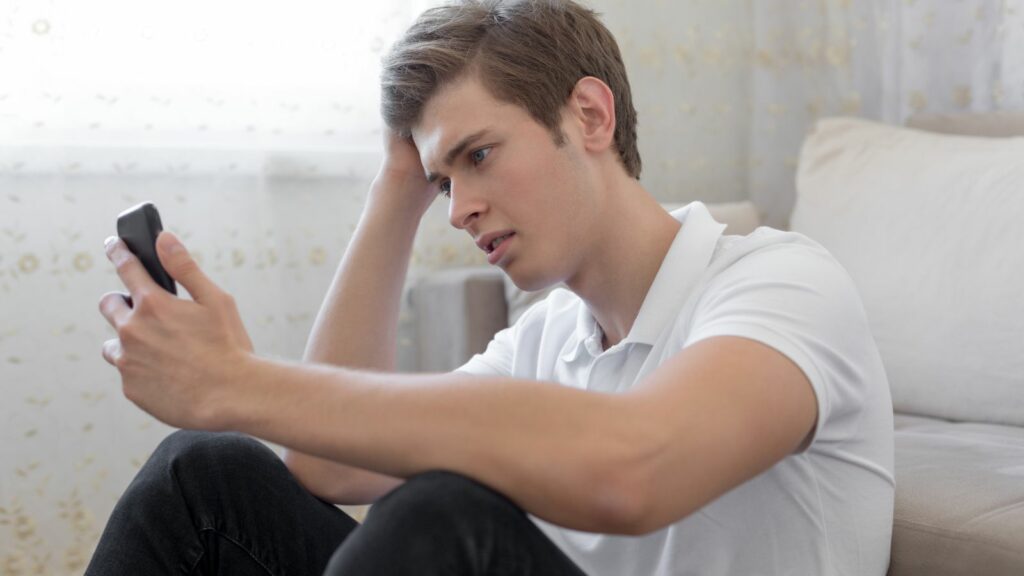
(457, 312)
(930, 228)
(959, 499)
(992, 124)
(740, 218)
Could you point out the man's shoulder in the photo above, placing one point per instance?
(775, 279)
(764, 243)
(768, 254)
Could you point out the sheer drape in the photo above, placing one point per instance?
(255, 129)
(880, 59)
(129, 87)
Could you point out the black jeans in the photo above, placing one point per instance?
(223, 503)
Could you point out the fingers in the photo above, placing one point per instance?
(129, 268)
(112, 351)
(184, 269)
(116, 308)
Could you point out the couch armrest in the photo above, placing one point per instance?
(456, 313)
(740, 218)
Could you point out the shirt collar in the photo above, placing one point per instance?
(683, 265)
(685, 261)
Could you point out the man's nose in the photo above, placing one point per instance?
(466, 205)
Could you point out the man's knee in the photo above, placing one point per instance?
(196, 454)
(440, 495)
(433, 519)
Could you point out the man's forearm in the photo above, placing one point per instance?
(549, 448)
(357, 327)
(358, 321)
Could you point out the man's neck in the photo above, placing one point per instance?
(622, 263)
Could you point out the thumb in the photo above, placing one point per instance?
(183, 268)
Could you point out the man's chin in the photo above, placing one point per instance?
(529, 282)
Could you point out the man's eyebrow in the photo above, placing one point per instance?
(449, 158)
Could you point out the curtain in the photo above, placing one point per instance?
(879, 59)
(254, 129)
(727, 90)
(126, 87)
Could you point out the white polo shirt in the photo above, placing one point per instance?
(824, 511)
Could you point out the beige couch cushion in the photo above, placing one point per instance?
(930, 227)
(960, 499)
(992, 124)
(457, 312)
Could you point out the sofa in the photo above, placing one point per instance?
(928, 219)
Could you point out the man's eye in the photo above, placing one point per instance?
(478, 155)
(446, 188)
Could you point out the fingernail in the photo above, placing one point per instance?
(174, 246)
(114, 253)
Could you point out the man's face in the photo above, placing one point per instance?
(504, 175)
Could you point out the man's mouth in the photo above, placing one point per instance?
(497, 242)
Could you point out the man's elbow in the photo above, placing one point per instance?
(623, 503)
(300, 467)
(624, 478)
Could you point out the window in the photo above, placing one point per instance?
(84, 83)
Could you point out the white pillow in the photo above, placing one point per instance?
(931, 228)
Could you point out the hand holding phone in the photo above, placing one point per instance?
(138, 227)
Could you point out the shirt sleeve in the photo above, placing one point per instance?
(516, 350)
(799, 301)
(496, 360)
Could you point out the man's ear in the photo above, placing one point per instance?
(592, 106)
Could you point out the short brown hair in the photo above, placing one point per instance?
(528, 52)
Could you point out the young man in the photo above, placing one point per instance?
(693, 404)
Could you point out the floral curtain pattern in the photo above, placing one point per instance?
(880, 59)
(130, 87)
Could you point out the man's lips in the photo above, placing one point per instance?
(487, 241)
(501, 248)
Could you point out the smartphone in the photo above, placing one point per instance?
(138, 227)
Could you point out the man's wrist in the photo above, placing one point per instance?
(399, 195)
(244, 394)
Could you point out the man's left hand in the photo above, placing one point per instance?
(179, 360)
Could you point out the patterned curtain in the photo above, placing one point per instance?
(879, 59)
(254, 128)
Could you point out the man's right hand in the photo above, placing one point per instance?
(401, 183)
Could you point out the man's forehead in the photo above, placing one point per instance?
(438, 139)
(445, 128)
(459, 108)
(457, 112)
